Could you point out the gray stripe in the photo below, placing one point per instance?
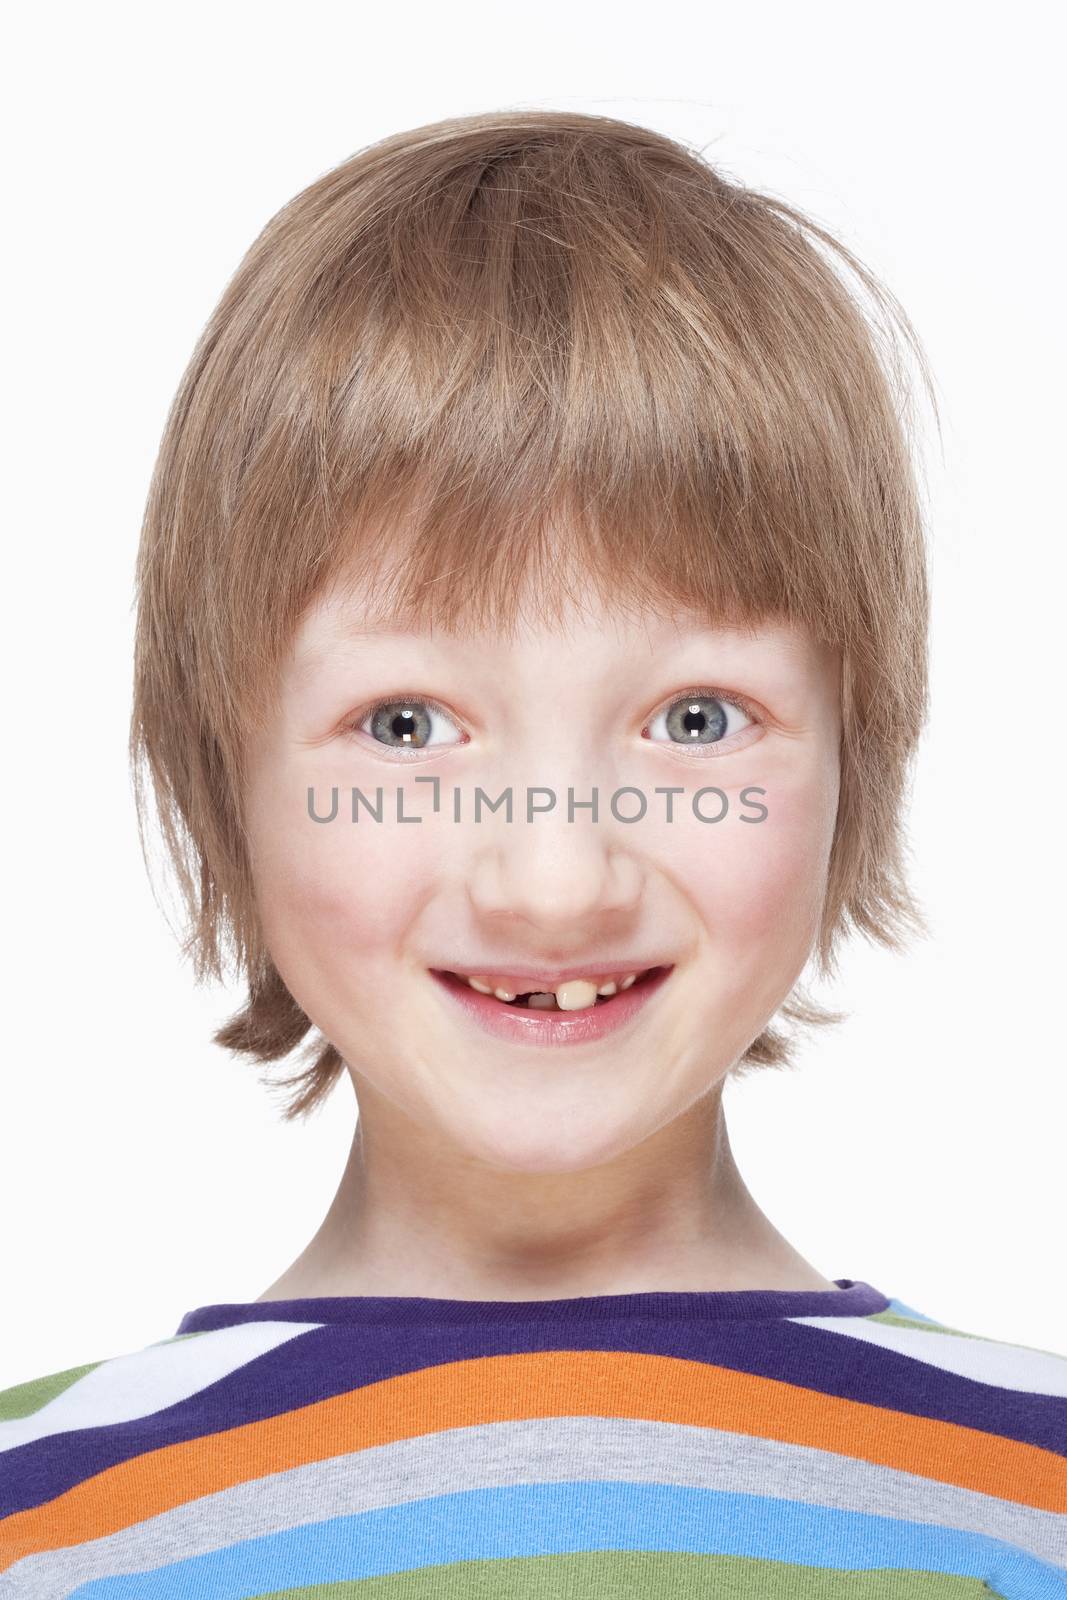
(538, 1450)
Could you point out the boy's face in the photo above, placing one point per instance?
(362, 918)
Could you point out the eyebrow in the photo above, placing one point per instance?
(348, 631)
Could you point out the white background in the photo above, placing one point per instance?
(921, 1145)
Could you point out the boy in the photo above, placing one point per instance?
(531, 653)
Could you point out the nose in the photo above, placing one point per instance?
(555, 875)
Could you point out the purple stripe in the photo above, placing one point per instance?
(335, 1359)
(850, 1299)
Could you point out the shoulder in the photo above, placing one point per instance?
(110, 1389)
(968, 1353)
(23, 1399)
(76, 1397)
(130, 1387)
(952, 1364)
(952, 1434)
(955, 1399)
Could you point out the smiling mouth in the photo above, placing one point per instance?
(577, 994)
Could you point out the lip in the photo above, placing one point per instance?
(519, 1025)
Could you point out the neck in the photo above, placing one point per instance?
(671, 1214)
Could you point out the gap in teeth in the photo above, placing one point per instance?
(549, 1000)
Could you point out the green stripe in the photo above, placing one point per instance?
(959, 1333)
(26, 1398)
(640, 1575)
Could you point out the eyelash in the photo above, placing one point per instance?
(352, 729)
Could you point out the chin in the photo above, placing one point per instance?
(546, 1145)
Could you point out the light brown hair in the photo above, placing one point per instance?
(469, 335)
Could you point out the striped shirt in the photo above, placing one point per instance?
(788, 1445)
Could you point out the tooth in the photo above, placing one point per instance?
(576, 995)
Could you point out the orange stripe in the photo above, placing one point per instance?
(506, 1388)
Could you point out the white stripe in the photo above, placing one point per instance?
(124, 1387)
(1007, 1366)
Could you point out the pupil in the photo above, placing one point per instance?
(399, 724)
(690, 723)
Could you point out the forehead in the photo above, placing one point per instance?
(586, 630)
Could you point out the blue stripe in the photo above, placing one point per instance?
(558, 1518)
(899, 1309)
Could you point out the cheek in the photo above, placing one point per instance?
(775, 879)
(327, 890)
(759, 886)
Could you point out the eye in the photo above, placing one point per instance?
(411, 723)
(701, 717)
